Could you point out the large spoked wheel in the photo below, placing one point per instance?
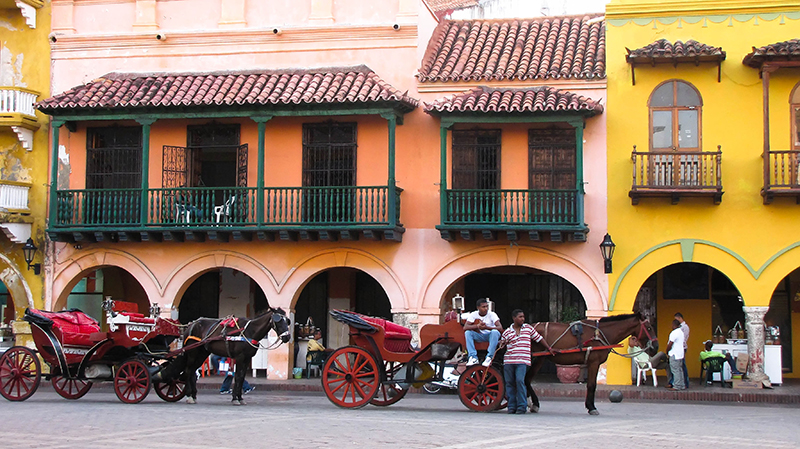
(350, 378)
(20, 373)
(432, 388)
(389, 393)
(132, 382)
(481, 388)
(70, 388)
(172, 391)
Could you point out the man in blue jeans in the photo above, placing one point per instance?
(482, 325)
(518, 339)
(225, 388)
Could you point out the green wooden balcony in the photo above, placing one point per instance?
(536, 213)
(221, 213)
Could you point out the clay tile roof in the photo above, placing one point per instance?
(444, 6)
(533, 100)
(357, 85)
(780, 51)
(567, 47)
(663, 50)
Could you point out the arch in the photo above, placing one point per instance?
(591, 288)
(794, 105)
(297, 278)
(18, 288)
(670, 119)
(186, 273)
(75, 269)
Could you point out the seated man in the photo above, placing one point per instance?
(482, 325)
(708, 353)
(658, 361)
(315, 345)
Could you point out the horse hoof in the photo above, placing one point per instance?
(534, 409)
(191, 401)
(238, 402)
(594, 412)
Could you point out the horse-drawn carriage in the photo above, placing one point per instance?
(78, 354)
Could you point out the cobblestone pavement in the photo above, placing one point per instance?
(309, 420)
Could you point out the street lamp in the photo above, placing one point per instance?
(607, 249)
(29, 250)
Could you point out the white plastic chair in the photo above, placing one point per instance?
(641, 372)
(225, 210)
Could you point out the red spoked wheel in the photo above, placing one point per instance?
(20, 373)
(172, 391)
(70, 388)
(132, 382)
(481, 389)
(389, 393)
(350, 378)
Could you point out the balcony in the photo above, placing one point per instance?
(17, 112)
(198, 213)
(677, 174)
(536, 213)
(782, 176)
(15, 219)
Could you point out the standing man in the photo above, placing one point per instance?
(685, 330)
(482, 325)
(517, 360)
(676, 356)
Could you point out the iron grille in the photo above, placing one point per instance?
(476, 159)
(329, 160)
(552, 158)
(114, 158)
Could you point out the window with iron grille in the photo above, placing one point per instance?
(552, 159)
(476, 159)
(114, 157)
(329, 154)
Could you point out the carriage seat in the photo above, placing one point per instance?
(74, 326)
(397, 337)
(135, 318)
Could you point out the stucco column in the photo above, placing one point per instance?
(754, 321)
(321, 12)
(63, 17)
(232, 14)
(410, 321)
(146, 17)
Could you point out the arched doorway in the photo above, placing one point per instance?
(219, 293)
(115, 282)
(784, 307)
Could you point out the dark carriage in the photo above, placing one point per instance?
(78, 354)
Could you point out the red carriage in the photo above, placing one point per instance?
(382, 365)
(78, 354)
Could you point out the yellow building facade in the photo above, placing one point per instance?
(24, 79)
(702, 199)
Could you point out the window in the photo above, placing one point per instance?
(795, 104)
(552, 159)
(476, 159)
(329, 161)
(114, 158)
(675, 110)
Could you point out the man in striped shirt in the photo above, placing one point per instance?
(518, 338)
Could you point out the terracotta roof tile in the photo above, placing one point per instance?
(356, 85)
(779, 51)
(444, 6)
(542, 99)
(663, 50)
(516, 49)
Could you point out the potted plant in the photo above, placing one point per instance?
(569, 374)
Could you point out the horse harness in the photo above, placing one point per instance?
(576, 329)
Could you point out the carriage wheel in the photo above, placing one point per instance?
(350, 378)
(132, 382)
(20, 373)
(70, 388)
(172, 391)
(481, 388)
(389, 393)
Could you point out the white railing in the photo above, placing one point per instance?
(14, 99)
(14, 195)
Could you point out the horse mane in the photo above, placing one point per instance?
(612, 318)
(267, 310)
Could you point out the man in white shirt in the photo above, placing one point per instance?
(482, 325)
(676, 356)
(685, 329)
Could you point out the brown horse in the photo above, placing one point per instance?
(236, 338)
(587, 334)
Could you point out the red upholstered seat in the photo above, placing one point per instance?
(75, 326)
(398, 338)
(138, 318)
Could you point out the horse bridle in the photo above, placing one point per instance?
(643, 330)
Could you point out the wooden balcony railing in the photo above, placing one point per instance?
(782, 175)
(677, 173)
(513, 207)
(14, 196)
(204, 208)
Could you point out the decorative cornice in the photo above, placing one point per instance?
(698, 8)
(716, 18)
(233, 41)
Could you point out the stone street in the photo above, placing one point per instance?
(309, 420)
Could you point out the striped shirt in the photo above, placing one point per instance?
(518, 350)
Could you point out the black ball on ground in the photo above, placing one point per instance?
(615, 396)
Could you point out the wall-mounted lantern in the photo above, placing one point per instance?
(607, 249)
(29, 251)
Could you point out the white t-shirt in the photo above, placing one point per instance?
(676, 337)
(490, 318)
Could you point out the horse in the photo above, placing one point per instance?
(587, 334)
(232, 337)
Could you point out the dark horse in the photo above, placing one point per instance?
(236, 338)
(584, 334)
